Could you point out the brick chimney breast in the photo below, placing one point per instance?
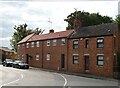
(51, 31)
(77, 24)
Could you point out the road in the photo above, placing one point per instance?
(36, 77)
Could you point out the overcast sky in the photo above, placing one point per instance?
(37, 14)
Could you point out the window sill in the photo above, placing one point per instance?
(100, 66)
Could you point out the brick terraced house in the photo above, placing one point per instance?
(6, 53)
(91, 49)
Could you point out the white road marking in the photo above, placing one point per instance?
(21, 77)
(63, 78)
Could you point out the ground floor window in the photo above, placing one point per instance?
(100, 60)
(48, 56)
(75, 59)
(37, 56)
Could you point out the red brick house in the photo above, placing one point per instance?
(91, 49)
(5, 52)
(46, 50)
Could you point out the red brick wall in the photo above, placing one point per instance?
(55, 55)
(21, 51)
(106, 70)
(32, 52)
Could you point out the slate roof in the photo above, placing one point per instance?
(96, 30)
(26, 38)
(55, 35)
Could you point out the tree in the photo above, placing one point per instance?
(118, 21)
(87, 19)
(21, 31)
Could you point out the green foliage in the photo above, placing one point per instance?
(21, 31)
(87, 19)
(118, 21)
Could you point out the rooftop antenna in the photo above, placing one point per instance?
(50, 24)
(75, 12)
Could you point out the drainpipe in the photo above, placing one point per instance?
(42, 53)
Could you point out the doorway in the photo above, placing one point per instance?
(62, 61)
(86, 61)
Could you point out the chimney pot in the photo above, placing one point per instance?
(51, 31)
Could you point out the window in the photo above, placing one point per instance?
(48, 42)
(47, 56)
(27, 45)
(23, 45)
(75, 59)
(75, 44)
(22, 56)
(100, 60)
(54, 42)
(63, 41)
(86, 43)
(37, 44)
(32, 44)
(37, 56)
(100, 43)
(18, 46)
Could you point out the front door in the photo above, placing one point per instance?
(62, 61)
(86, 58)
(27, 58)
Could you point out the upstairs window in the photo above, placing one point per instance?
(37, 44)
(86, 43)
(37, 56)
(75, 59)
(23, 45)
(100, 43)
(48, 56)
(48, 42)
(18, 46)
(27, 45)
(63, 41)
(54, 42)
(100, 60)
(32, 44)
(75, 44)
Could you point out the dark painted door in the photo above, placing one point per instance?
(27, 58)
(86, 63)
(62, 61)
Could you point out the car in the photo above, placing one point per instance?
(7, 62)
(20, 64)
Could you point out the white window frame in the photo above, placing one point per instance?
(48, 56)
(100, 60)
(37, 56)
(32, 44)
(75, 59)
(48, 42)
(100, 41)
(63, 41)
(37, 44)
(54, 42)
(27, 45)
(18, 46)
(75, 44)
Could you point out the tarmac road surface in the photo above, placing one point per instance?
(36, 77)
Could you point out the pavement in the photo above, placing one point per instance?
(78, 74)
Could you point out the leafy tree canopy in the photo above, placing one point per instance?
(21, 31)
(87, 19)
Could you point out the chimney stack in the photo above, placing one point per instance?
(51, 31)
(77, 24)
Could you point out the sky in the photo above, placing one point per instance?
(38, 13)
